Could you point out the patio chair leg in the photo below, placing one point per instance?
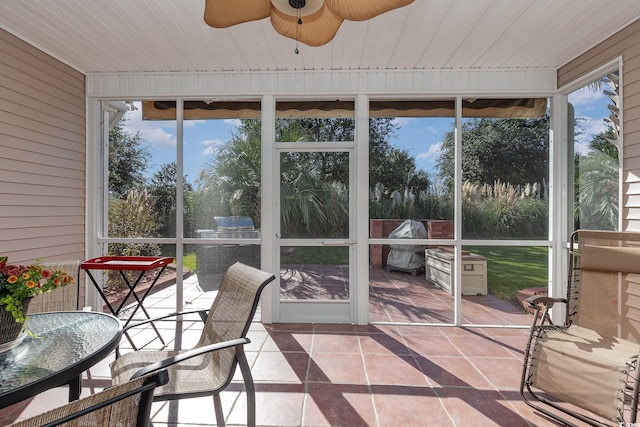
(217, 405)
(249, 386)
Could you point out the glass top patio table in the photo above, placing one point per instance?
(67, 344)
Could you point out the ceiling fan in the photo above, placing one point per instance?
(312, 22)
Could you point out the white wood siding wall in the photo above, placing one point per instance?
(42, 155)
(625, 43)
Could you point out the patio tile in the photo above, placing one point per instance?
(432, 346)
(408, 406)
(451, 372)
(275, 406)
(476, 407)
(382, 344)
(478, 346)
(374, 375)
(393, 370)
(501, 373)
(337, 368)
(280, 367)
(338, 405)
(335, 343)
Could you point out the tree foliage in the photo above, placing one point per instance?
(162, 192)
(513, 151)
(597, 185)
(128, 160)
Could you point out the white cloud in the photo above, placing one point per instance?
(152, 132)
(402, 121)
(589, 128)
(233, 122)
(586, 99)
(433, 152)
(211, 146)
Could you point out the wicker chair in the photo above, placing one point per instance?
(65, 298)
(587, 367)
(208, 368)
(127, 404)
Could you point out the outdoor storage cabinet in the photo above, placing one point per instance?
(440, 270)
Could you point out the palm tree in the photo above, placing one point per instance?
(597, 206)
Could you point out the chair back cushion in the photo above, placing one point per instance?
(127, 404)
(605, 283)
(64, 298)
(233, 309)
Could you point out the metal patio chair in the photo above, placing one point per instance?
(208, 368)
(127, 404)
(587, 367)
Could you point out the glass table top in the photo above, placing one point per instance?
(65, 341)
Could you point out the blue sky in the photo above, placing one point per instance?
(421, 137)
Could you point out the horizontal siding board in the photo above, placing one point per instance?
(65, 159)
(36, 173)
(42, 155)
(33, 240)
(33, 63)
(24, 189)
(31, 106)
(44, 221)
(32, 110)
(630, 152)
(44, 200)
(38, 141)
(38, 88)
(9, 41)
(18, 126)
(8, 212)
(45, 232)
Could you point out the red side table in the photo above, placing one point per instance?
(128, 263)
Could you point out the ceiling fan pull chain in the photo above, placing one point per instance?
(297, 28)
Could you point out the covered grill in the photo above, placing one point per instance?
(215, 259)
(231, 227)
(408, 258)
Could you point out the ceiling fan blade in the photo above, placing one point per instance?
(317, 29)
(225, 13)
(360, 10)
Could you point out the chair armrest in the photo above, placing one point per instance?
(190, 354)
(202, 312)
(535, 300)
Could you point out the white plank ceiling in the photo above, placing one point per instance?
(170, 35)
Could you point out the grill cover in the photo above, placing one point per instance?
(407, 256)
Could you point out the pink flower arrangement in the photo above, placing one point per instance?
(19, 282)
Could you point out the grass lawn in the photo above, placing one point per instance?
(338, 255)
(189, 261)
(510, 269)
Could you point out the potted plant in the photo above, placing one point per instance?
(18, 284)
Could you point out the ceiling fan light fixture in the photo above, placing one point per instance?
(312, 22)
(298, 7)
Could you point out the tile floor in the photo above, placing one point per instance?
(346, 375)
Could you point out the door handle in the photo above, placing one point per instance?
(338, 242)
